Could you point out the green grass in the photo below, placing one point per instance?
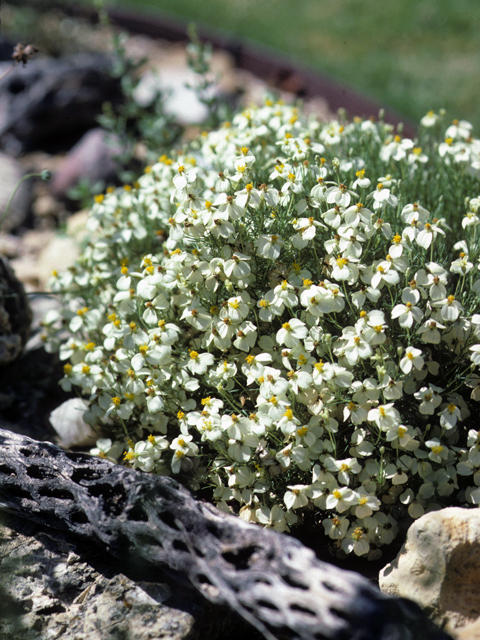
(412, 55)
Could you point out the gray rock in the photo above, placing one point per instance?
(15, 315)
(439, 566)
(51, 102)
(48, 591)
(92, 159)
(11, 171)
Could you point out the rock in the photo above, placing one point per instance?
(469, 632)
(60, 253)
(439, 567)
(11, 171)
(67, 420)
(10, 245)
(51, 103)
(54, 586)
(180, 101)
(45, 205)
(44, 253)
(48, 591)
(15, 315)
(77, 225)
(167, 72)
(92, 159)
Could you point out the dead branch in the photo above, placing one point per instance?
(270, 579)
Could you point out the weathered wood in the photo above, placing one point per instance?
(270, 579)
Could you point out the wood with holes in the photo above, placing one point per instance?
(270, 579)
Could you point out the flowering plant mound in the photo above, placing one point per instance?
(283, 314)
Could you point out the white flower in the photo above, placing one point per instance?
(273, 406)
(296, 497)
(437, 451)
(197, 316)
(344, 269)
(343, 468)
(317, 300)
(449, 416)
(396, 149)
(459, 130)
(367, 503)
(272, 382)
(151, 353)
(237, 266)
(384, 274)
(274, 517)
(385, 416)
(353, 346)
(430, 333)
(335, 527)
(294, 184)
(270, 306)
(269, 246)
(339, 195)
(107, 449)
(414, 213)
(236, 309)
(356, 540)
(286, 293)
(475, 357)
(246, 336)
(428, 234)
(430, 119)
(449, 308)
(462, 265)
(182, 446)
(350, 242)
(340, 499)
(291, 333)
(199, 362)
(412, 358)
(306, 228)
(429, 399)
(382, 197)
(407, 313)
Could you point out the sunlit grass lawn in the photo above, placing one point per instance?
(412, 55)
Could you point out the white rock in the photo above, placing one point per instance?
(439, 566)
(67, 420)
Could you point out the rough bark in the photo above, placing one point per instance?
(271, 580)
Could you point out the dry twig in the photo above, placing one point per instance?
(270, 579)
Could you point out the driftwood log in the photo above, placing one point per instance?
(271, 580)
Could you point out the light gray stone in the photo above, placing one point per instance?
(67, 420)
(48, 592)
(439, 567)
